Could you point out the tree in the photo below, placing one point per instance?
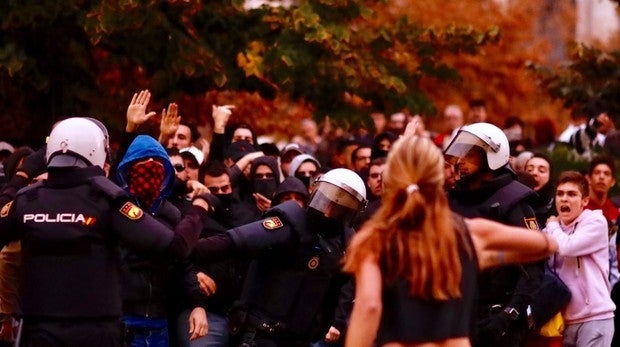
(499, 73)
(89, 57)
(591, 74)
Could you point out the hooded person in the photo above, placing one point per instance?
(70, 280)
(262, 181)
(146, 173)
(292, 188)
(304, 167)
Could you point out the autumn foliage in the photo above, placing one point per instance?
(340, 58)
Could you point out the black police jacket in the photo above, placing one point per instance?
(70, 227)
(294, 287)
(149, 282)
(502, 199)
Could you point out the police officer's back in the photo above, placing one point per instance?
(486, 187)
(70, 227)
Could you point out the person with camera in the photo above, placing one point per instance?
(592, 134)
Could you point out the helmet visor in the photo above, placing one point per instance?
(335, 202)
(463, 144)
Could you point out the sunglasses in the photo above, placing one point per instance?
(216, 189)
(179, 167)
(374, 176)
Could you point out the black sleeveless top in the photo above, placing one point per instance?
(415, 320)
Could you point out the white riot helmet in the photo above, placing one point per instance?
(77, 138)
(488, 137)
(339, 194)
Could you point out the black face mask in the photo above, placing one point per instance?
(225, 199)
(378, 153)
(265, 186)
(305, 180)
(222, 212)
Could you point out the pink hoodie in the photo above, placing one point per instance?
(582, 262)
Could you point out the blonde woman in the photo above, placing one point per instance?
(416, 263)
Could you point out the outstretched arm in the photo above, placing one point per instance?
(497, 244)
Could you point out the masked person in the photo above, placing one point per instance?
(221, 279)
(304, 167)
(487, 187)
(70, 226)
(293, 283)
(264, 178)
(147, 174)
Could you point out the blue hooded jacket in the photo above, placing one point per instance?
(144, 147)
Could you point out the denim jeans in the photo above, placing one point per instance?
(217, 336)
(146, 332)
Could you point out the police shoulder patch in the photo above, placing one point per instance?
(6, 209)
(272, 223)
(131, 211)
(531, 223)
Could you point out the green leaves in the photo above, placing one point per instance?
(324, 52)
(591, 73)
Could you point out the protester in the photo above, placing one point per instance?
(543, 204)
(416, 263)
(582, 262)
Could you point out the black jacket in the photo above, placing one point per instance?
(71, 226)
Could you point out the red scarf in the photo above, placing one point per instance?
(145, 180)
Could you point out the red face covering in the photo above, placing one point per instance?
(145, 179)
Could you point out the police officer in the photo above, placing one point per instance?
(293, 284)
(487, 187)
(70, 226)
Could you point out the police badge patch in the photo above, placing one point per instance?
(313, 263)
(131, 211)
(5, 209)
(272, 223)
(531, 223)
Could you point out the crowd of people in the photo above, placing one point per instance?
(399, 236)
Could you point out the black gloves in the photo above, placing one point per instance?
(34, 164)
(491, 329)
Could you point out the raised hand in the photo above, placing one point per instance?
(170, 121)
(414, 127)
(136, 112)
(221, 114)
